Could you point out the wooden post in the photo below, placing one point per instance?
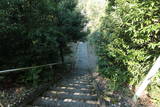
(147, 79)
(52, 73)
(61, 54)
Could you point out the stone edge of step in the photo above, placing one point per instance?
(41, 102)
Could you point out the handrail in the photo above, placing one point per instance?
(26, 68)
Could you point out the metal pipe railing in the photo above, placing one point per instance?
(27, 68)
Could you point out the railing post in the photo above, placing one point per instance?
(52, 72)
(147, 79)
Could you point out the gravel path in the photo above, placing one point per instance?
(76, 89)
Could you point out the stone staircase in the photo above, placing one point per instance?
(76, 89)
(71, 92)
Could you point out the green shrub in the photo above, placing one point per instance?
(129, 41)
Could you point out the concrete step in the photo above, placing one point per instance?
(32, 106)
(74, 81)
(77, 84)
(75, 96)
(71, 87)
(70, 90)
(74, 86)
(49, 102)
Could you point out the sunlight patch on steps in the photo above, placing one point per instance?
(58, 92)
(69, 100)
(63, 87)
(92, 102)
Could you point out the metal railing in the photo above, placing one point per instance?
(27, 68)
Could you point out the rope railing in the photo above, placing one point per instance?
(27, 68)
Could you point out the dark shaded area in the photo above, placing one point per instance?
(38, 31)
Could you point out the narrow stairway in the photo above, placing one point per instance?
(76, 89)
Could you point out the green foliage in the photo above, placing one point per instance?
(30, 30)
(32, 76)
(129, 40)
(33, 31)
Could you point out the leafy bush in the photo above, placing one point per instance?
(129, 40)
(33, 30)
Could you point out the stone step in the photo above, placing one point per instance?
(79, 87)
(48, 102)
(70, 90)
(82, 80)
(32, 106)
(75, 96)
(75, 86)
(76, 82)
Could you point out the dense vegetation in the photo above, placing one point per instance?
(128, 42)
(32, 31)
(35, 32)
(127, 37)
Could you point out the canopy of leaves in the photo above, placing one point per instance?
(32, 30)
